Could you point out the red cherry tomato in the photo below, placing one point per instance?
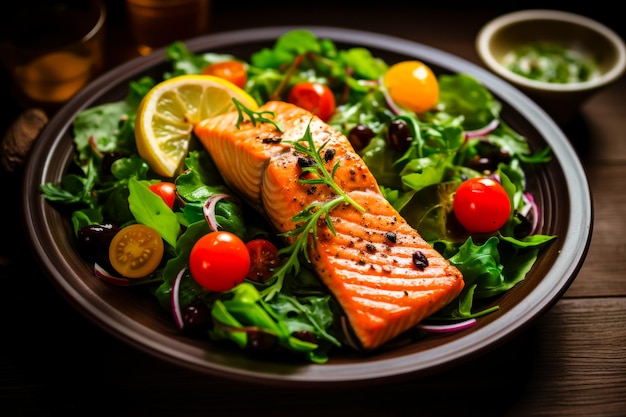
(233, 71)
(412, 84)
(314, 97)
(165, 190)
(481, 205)
(219, 261)
(263, 259)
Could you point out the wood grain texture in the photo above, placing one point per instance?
(604, 271)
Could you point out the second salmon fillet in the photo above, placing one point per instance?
(384, 275)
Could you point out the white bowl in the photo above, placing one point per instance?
(504, 34)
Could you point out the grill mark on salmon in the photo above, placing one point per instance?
(369, 264)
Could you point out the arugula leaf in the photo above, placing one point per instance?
(74, 189)
(285, 49)
(312, 314)
(185, 62)
(463, 95)
(362, 64)
(190, 291)
(192, 187)
(491, 269)
(112, 124)
(244, 311)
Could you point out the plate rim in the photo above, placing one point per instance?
(552, 286)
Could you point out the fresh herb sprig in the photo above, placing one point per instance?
(254, 116)
(308, 218)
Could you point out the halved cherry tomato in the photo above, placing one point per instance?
(263, 259)
(233, 71)
(481, 205)
(165, 190)
(412, 84)
(219, 261)
(314, 97)
(136, 251)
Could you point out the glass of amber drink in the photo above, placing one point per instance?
(156, 23)
(52, 49)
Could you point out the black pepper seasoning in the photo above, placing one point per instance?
(271, 140)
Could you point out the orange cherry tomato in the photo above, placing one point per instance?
(481, 205)
(219, 261)
(412, 84)
(314, 97)
(165, 190)
(136, 251)
(233, 71)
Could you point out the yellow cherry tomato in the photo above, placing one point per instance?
(136, 251)
(413, 85)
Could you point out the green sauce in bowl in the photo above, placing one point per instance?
(552, 63)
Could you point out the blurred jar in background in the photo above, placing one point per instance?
(51, 49)
(157, 23)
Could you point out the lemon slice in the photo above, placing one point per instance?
(170, 110)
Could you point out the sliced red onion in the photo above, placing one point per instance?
(120, 281)
(369, 82)
(94, 147)
(178, 315)
(532, 213)
(482, 131)
(209, 210)
(447, 328)
(105, 275)
(392, 104)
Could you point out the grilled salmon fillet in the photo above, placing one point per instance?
(384, 275)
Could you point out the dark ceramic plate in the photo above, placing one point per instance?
(560, 188)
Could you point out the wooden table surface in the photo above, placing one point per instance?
(571, 362)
